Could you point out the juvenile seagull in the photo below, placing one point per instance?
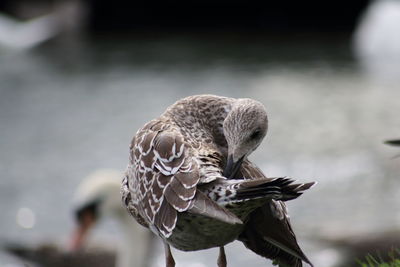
(190, 182)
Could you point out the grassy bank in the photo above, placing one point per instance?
(371, 261)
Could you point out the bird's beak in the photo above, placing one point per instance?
(232, 167)
(85, 222)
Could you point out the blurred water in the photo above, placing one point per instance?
(68, 110)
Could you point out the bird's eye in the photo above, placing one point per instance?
(256, 134)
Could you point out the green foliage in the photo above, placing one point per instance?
(371, 261)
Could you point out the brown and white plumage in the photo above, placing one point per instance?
(189, 180)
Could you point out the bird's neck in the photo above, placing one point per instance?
(135, 244)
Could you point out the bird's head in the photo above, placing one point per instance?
(96, 197)
(245, 126)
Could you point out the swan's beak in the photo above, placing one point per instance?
(86, 218)
(232, 167)
(79, 235)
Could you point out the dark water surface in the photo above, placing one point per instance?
(66, 110)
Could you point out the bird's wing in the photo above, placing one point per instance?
(268, 232)
(162, 180)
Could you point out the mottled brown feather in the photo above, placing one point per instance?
(187, 179)
(203, 205)
(162, 179)
(175, 200)
(160, 156)
(181, 191)
(165, 219)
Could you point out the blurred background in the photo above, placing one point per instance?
(79, 77)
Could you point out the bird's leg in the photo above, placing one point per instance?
(221, 262)
(169, 259)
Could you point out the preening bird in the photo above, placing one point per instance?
(190, 181)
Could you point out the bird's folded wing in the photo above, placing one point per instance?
(269, 234)
(203, 205)
(165, 178)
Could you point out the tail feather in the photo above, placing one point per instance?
(281, 188)
(269, 234)
(265, 249)
(268, 231)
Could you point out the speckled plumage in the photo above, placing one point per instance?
(175, 185)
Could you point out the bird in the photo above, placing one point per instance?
(19, 35)
(65, 17)
(376, 42)
(393, 142)
(97, 198)
(190, 182)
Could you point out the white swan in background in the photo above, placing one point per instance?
(98, 197)
(64, 17)
(377, 38)
(20, 35)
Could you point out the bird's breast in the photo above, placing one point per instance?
(194, 232)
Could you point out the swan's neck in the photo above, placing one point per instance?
(135, 245)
